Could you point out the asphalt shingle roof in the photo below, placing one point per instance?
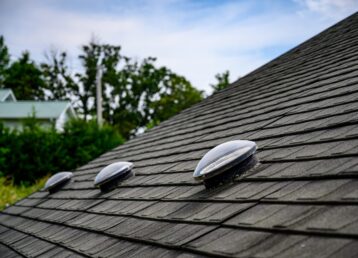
(301, 201)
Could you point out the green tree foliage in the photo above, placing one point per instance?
(4, 60)
(176, 95)
(57, 77)
(35, 152)
(96, 56)
(223, 80)
(24, 77)
(135, 93)
(148, 95)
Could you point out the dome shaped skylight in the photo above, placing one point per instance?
(223, 157)
(57, 180)
(112, 174)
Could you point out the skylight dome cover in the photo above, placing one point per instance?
(223, 157)
(58, 179)
(113, 171)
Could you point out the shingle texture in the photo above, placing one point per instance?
(300, 201)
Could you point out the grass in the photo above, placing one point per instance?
(10, 193)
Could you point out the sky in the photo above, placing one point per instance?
(197, 39)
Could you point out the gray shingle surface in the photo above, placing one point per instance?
(300, 201)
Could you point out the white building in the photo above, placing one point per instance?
(48, 113)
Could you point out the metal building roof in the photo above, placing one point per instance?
(301, 201)
(5, 93)
(23, 109)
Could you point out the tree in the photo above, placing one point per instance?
(177, 94)
(96, 56)
(25, 79)
(223, 80)
(4, 60)
(149, 94)
(58, 79)
(82, 86)
(135, 93)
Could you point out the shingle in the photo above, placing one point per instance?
(121, 207)
(50, 232)
(7, 252)
(79, 185)
(351, 192)
(164, 232)
(9, 220)
(228, 241)
(315, 247)
(40, 194)
(16, 210)
(315, 190)
(278, 216)
(332, 219)
(273, 246)
(348, 251)
(84, 219)
(32, 246)
(75, 194)
(63, 234)
(95, 221)
(193, 211)
(29, 202)
(185, 192)
(61, 216)
(98, 246)
(179, 234)
(52, 203)
(322, 167)
(118, 249)
(35, 227)
(9, 237)
(249, 190)
(127, 228)
(59, 252)
(130, 192)
(36, 213)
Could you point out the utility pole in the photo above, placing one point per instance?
(99, 95)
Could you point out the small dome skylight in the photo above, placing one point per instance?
(224, 157)
(57, 181)
(108, 177)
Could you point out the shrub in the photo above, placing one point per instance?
(34, 152)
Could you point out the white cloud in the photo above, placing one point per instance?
(195, 41)
(335, 9)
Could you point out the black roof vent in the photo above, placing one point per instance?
(110, 176)
(225, 161)
(54, 183)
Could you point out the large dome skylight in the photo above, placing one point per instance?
(57, 180)
(112, 174)
(223, 157)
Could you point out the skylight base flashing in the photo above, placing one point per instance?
(231, 173)
(57, 187)
(112, 183)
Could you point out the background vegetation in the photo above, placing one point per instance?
(11, 193)
(137, 94)
(35, 152)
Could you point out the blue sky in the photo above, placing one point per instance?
(194, 38)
